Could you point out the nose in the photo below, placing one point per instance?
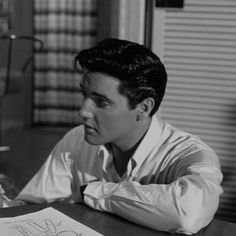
(85, 111)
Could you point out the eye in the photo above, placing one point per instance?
(101, 102)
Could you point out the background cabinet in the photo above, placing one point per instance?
(16, 107)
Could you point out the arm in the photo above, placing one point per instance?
(53, 182)
(185, 206)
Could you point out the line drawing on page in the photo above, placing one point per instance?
(47, 228)
(45, 222)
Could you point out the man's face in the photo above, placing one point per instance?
(106, 115)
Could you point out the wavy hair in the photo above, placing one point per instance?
(139, 70)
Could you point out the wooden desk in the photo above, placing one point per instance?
(111, 225)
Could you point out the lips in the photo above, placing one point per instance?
(89, 128)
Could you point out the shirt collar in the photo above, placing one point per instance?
(104, 153)
(148, 143)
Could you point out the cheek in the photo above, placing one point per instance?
(118, 121)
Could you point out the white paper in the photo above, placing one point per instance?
(46, 222)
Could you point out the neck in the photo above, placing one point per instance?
(122, 154)
(127, 142)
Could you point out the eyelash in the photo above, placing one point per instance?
(99, 102)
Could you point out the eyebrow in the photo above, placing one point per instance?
(102, 96)
(98, 94)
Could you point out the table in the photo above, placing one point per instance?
(112, 225)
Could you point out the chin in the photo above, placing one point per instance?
(92, 140)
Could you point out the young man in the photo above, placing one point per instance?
(124, 159)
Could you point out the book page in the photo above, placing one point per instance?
(46, 222)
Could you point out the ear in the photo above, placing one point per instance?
(145, 108)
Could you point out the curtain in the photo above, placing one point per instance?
(65, 27)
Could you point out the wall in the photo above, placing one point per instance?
(121, 19)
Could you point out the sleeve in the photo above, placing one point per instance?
(184, 206)
(53, 181)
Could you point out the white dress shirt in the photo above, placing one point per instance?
(172, 182)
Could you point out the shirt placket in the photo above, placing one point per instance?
(108, 168)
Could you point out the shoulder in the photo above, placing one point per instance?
(76, 133)
(78, 130)
(71, 140)
(185, 144)
(181, 139)
(74, 142)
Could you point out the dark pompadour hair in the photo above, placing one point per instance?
(140, 71)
